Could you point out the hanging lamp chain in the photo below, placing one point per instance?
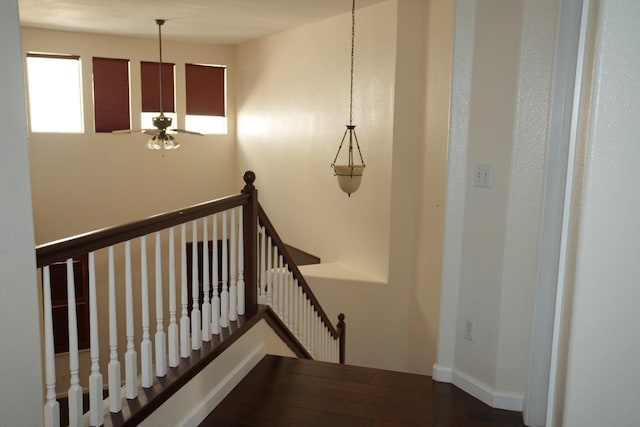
(353, 37)
(351, 131)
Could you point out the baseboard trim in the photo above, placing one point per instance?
(442, 374)
(224, 387)
(494, 398)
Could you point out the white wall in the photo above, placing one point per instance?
(602, 377)
(21, 391)
(503, 59)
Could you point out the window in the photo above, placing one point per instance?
(150, 85)
(111, 94)
(206, 101)
(55, 93)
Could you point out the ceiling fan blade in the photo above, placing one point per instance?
(121, 131)
(188, 132)
(150, 131)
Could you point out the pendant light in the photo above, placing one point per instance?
(350, 174)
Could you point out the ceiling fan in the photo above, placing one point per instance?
(161, 138)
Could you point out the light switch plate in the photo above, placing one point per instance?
(483, 176)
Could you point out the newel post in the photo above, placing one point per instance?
(250, 231)
(342, 330)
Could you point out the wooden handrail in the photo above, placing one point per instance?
(70, 247)
(282, 249)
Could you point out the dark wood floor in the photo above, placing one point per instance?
(296, 392)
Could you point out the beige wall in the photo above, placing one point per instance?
(431, 204)
(292, 106)
(87, 181)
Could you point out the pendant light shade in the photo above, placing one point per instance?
(350, 174)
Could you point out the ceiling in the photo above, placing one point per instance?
(207, 21)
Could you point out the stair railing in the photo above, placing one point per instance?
(283, 287)
(118, 259)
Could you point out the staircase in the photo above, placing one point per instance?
(213, 302)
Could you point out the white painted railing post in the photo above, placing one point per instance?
(224, 297)
(206, 304)
(269, 273)
(196, 320)
(51, 407)
(95, 378)
(146, 356)
(215, 299)
(296, 306)
(173, 331)
(274, 281)
(160, 337)
(114, 375)
(75, 391)
(241, 301)
(233, 290)
(262, 296)
(131, 357)
(285, 294)
(185, 348)
(281, 291)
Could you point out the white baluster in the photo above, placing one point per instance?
(215, 299)
(206, 304)
(309, 328)
(161, 338)
(241, 295)
(275, 281)
(196, 320)
(146, 362)
(233, 290)
(75, 391)
(130, 357)
(185, 348)
(95, 378)
(285, 294)
(269, 273)
(325, 336)
(296, 307)
(305, 322)
(173, 330)
(281, 290)
(114, 374)
(224, 297)
(262, 298)
(51, 407)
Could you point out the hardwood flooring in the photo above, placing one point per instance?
(283, 391)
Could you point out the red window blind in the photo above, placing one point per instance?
(150, 82)
(205, 90)
(111, 94)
